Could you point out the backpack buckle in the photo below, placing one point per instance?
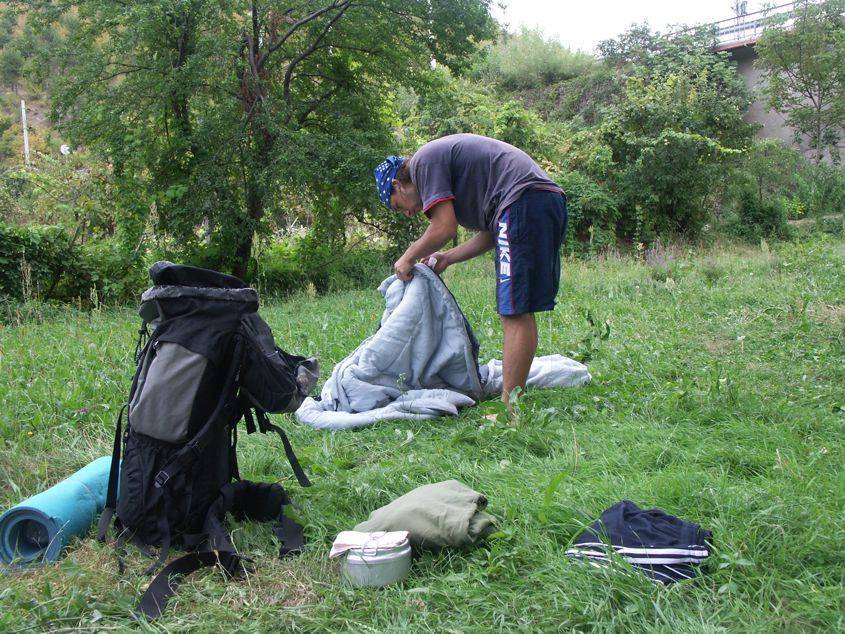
(161, 479)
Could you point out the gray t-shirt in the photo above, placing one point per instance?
(482, 177)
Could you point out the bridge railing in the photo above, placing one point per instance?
(749, 27)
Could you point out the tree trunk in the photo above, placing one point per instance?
(255, 195)
(255, 211)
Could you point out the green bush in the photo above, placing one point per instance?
(34, 259)
(521, 128)
(769, 166)
(279, 272)
(284, 269)
(445, 105)
(43, 262)
(592, 212)
(758, 218)
(360, 268)
(821, 189)
(673, 136)
(115, 275)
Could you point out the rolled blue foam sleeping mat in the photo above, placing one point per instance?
(39, 527)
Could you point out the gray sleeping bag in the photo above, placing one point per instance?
(421, 363)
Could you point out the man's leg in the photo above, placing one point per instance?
(520, 344)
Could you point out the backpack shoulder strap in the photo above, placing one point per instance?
(114, 474)
(265, 425)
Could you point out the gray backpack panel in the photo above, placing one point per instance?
(167, 386)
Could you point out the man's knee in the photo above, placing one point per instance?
(518, 322)
(515, 319)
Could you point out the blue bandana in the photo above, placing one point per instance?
(384, 174)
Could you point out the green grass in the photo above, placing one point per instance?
(719, 397)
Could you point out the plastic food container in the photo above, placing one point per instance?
(376, 567)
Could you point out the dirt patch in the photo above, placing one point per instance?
(284, 583)
(718, 347)
(808, 222)
(828, 314)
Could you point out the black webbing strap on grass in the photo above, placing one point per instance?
(166, 583)
(289, 533)
(264, 425)
(259, 502)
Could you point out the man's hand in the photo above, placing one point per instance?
(404, 269)
(437, 262)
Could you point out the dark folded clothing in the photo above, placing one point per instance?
(662, 546)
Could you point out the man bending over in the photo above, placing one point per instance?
(512, 204)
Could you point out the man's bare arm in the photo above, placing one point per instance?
(441, 229)
(480, 243)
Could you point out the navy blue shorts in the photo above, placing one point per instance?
(528, 241)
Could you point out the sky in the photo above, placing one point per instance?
(583, 24)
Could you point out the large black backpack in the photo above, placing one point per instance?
(209, 362)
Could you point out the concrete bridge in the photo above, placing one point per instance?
(738, 36)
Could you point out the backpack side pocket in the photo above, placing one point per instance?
(163, 402)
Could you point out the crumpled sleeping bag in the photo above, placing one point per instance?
(39, 527)
(421, 363)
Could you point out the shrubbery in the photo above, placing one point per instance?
(33, 260)
(43, 262)
(673, 138)
(527, 60)
(821, 189)
(284, 269)
(758, 218)
(593, 213)
(116, 275)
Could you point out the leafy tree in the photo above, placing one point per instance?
(769, 168)
(11, 64)
(8, 22)
(216, 113)
(671, 137)
(802, 58)
(635, 46)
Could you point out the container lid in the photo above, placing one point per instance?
(374, 554)
(373, 541)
